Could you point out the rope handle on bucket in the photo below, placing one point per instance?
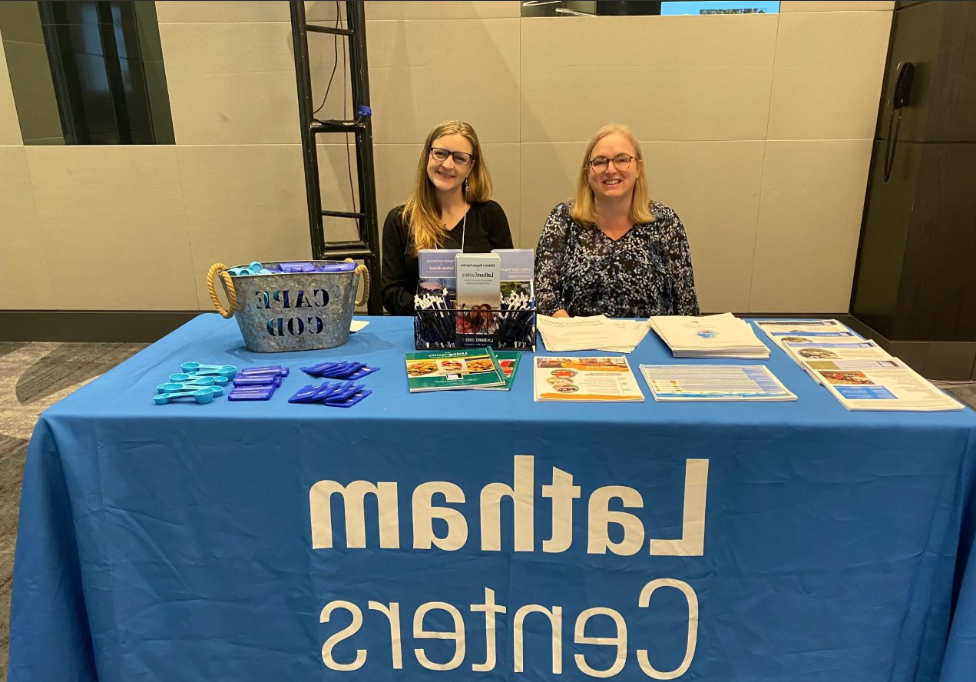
(364, 273)
(228, 286)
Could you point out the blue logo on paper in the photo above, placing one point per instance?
(708, 334)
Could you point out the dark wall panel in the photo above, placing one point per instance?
(937, 297)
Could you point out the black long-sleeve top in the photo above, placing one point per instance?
(646, 272)
(486, 229)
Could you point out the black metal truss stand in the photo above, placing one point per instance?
(366, 248)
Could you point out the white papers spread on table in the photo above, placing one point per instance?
(585, 380)
(826, 352)
(880, 385)
(714, 382)
(565, 334)
(806, 331)
(356, 325)
(629, 333)
(709, 336)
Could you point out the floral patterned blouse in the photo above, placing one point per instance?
(646, 272)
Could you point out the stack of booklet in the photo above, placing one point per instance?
(565, 334)
(709, 336)
(856, 371)
(446, 370)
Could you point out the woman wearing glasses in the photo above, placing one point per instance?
(450, 208)
(612, 251)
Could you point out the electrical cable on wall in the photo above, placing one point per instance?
(345, 87)
(335, 46)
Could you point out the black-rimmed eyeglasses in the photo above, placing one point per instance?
(460, 158)
(602, 163)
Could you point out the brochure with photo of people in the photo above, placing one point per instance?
(478, 297)
(446, 370)
(605, 379)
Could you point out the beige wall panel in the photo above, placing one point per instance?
(420, 75)
(714, 188)
(243, 203)
(323, 11)
(180, 12)
(123, 227)
(23, 250)
(549, 173)
(236, 83)
(669, 78)
(835, 6)
(9, 123)
(809, 222)
(396, 166)
(442, 10)
(828, 75)
(338, 192)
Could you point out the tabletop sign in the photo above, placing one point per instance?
(299, 300)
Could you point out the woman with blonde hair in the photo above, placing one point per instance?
(450, 208)
(613, 251)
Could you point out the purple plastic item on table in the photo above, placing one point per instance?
(259, 380)
(251, 393)
(325, 390)
(305, 395)
(363, 372)
(350, 401)
(273, 369)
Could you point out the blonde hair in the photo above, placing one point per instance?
(582, 210)
(422, 212)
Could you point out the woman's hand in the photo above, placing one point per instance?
(560, 313)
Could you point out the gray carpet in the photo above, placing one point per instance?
(34, 376)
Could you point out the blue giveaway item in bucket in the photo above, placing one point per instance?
(293, 307)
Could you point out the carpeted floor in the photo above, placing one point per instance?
(34, 376)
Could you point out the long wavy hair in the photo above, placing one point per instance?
(583, 209)
(422, 212)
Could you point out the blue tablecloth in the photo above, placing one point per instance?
(190, 542)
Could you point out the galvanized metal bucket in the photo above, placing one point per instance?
(287, 311)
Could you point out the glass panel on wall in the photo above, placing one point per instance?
(555, 8)
(87, 72)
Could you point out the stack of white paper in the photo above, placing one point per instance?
(806, 331)
(856, 371)
(714, 382)
(709, 336)
(565, 334)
